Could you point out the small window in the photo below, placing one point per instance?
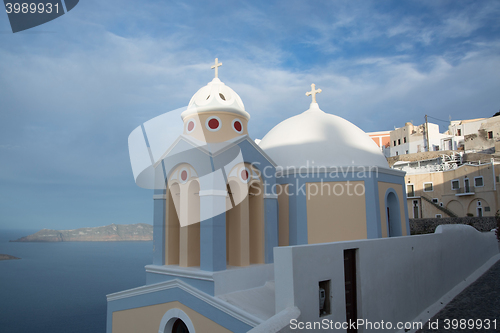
(324, 298)
(459, 132)
(410, 190)
(397, 153)
(399, 142)
(435, 200)
(498, 179)
(487, 209)
(407, 152)
(438, 216)
(455, 184)
(478, 203)
(404, 139)
(441, 204)
(428, 187)
(394, 143)
(478, 182)
(490, 135)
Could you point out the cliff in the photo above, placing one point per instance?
(7, 257)
(109, 233)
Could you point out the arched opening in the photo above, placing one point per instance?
(256, 221)
(393, 215)
(237, 225)
(190, 234)
(455, 207)
(179, 327)
(176, 321)
(477, 207)
(172, 225)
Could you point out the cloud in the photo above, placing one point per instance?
(70, 99)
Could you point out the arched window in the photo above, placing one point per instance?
(179, 327)
(393, 214)
(176, 321)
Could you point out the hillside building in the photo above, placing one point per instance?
(448, 186)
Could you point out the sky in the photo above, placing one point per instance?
(73, 89)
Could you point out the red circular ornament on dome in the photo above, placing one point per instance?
(237, 126)
(184, 175)
(213, 123)
(244, 174)
(190, 126)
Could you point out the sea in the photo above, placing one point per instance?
(62, 286)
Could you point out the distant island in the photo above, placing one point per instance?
(7, 257)
(109, 233)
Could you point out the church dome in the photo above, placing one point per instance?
(216, 96)
(323, 139)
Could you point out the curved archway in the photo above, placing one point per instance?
(170, 321)
(455, 207)
(393, 214)
(172, 225)
(237, 224)
(476, 207)
(190, 231)
(257, 226)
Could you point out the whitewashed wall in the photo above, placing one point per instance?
(397, 278)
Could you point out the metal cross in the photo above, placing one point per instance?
(313, 92)
(217, 64)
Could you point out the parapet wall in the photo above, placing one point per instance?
(397, 278)
(427, 226)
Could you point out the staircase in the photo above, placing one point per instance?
(445, 210)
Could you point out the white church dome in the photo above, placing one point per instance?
(323, 139)
(216, 96)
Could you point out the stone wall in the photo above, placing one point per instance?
(427, 226)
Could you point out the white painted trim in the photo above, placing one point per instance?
(187, 126)
(406, 189)
(477, 178)
(170, 317)
(215, 129)
(249, 173)
(465, 187)
(423, 187)
(191, 273)
(479, 208)
(464, 194)
(221, 193)
(451, 184)
(219, 304)
(180, 175)
(242, 128)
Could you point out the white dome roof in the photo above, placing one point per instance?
(322, 138)
(216, 96)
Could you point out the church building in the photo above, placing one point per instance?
(224, 202)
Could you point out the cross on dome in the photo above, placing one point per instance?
(313, 92)
(217, 64)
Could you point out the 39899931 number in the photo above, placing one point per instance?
(32, 8)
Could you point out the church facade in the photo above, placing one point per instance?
(223, 203)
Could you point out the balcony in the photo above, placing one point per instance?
(463, 191)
